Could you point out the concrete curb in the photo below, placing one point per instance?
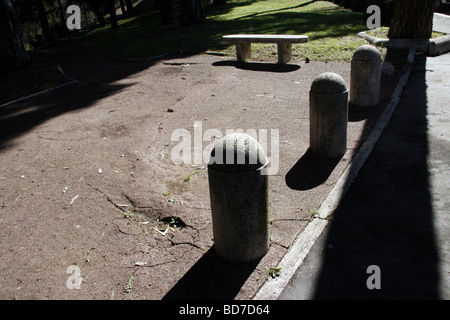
(439, 46)
(432, 47)
(43, 91)
(295, 256)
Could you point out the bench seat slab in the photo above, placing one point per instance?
(265, 38)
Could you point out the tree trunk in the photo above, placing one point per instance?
(42, 14)
(122, 7)
(110, 5)
(192, 12)
(61, 12)
(95, 6)
(129, 4)
(166, 11)
(12, 52)
(413, 19)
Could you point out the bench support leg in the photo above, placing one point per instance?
(243, 51)
(284, 52)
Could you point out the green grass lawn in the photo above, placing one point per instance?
(331, 29)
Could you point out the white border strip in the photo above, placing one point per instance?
(44, 91)
(272, 288)
(440, 14)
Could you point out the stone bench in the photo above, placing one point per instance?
(284, 42)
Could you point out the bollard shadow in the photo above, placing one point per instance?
(358, 113)
(211, 279)
(255, 66)
(310, 171)
(386, 218)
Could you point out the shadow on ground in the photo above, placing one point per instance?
(386, 218)
(310, 171)
(211, 279)
(96, 74)
(255, 66)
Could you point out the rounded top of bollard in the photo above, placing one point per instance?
(367, 53)
(237, 153)
(328, 82)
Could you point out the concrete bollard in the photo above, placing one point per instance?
(365, 76)
(328, 115)
(238, 186)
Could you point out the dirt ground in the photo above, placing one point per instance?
(87, 183)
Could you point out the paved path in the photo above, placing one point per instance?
(116, 119)
(441, 23)
(396, 214)
(438, 117)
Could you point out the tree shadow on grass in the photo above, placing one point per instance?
(316, 24)
(276, 10)
(148, 38)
